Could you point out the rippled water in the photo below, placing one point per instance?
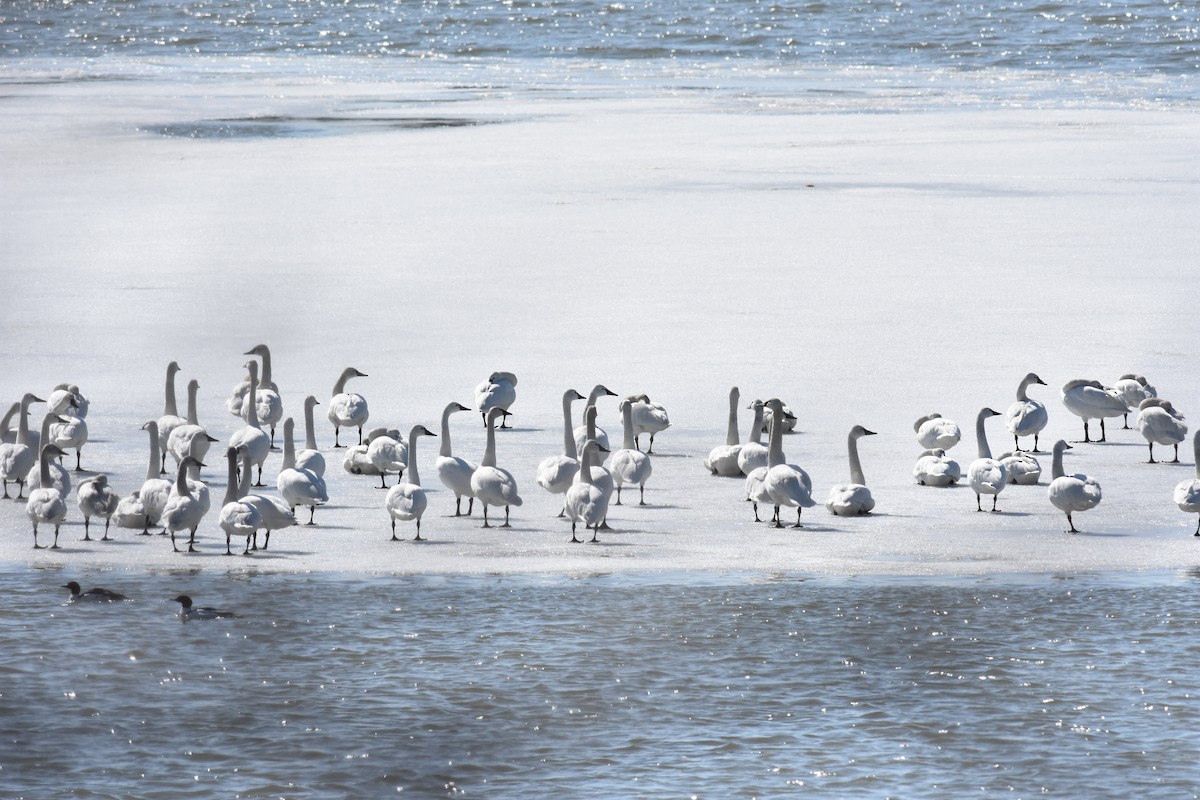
(1073, 34)
(601, 686)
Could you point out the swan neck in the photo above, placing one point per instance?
(1056, 469)
(231, 484)
(569, 449)
(445, 451)
(1196, 450)
(46, 422)
(155, 453)
(181, 478)
(266, 367)
(775, 447)
(627, 424)
(731, 432)
(589, 421)
(340, 386)
(252, 397)
(981, 436)
(243, 487)
(856, 473)
(413, 477)
(23, 424)
(191, 412)
(170, 409)
(44, 467)
(6, 423)
(310, 434)
(289, 446)
(489, 452)
(1021, 391)
(586, 459)
(756, 428)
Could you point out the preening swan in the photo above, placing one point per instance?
(46, 503)
(1187, 492)
(586, 502)
(71, 432)
(1026, 417)
(1023, 468)
(310, 457)
(170, 418)
(985, 474)
(96, 498)
(299, 487)
(455, 472)
(1160, 423)
(581, 432)
(154, 491)
(407, 501)
(274, 513)
(253, 437)
(789, 420)
(268, 404)
(555, 474)
(1071, 493)
(629, 465)
(1133, 389)
(184, 510)
(723, 459)
(17, 457)
(492, 485)
(59, 475)
(753, 453)
(498, 391)
(648, 418)
(347, 409)
(853, 498)
(935, 432)
(190, 438)
(236, 518)
(388, 453)
(67, 401)
(784, 484)
(1090, 400)
(935, 468)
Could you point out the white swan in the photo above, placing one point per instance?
(1133, 389)
(1026, 417)
(357, 462)
(789, 420)
(131, 512)
(154, 490)
(59, 475)
(17, 457)
(784, 484)
(935, 468)
(1160, 423)
(170, 418)
(198, 489)
(7, 434)
(1090, 400)
(581, 431)
(299, 487)
(498, 391)
(67, 401)
(236, 517)
(754, 453)
(388, 453)
(629, 465)
(986, 474)
(1023, 468)
(935, 432)
(586, 502)
(1187, 492)
(453, 471)
(310, 457)
(648, 418)
(71, 432)
(190, 438)
(555, 474)
(407, 501)
(46, 504)
(723, 459)
(601, 476)
(1070, 493)
(96, 498)
(492, 485)
(347, 409)
(275, 513)
(184, 510)
(253, 437)
(853, 498)
(268, 404)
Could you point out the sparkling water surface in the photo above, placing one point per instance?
(601, 686)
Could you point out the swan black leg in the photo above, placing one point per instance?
(576, 541)
(506, 525)
(87, 529)
(394, 537)
(1103, 433)
(418, 538)
(1151, 461)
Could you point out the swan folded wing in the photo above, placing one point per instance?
(849, 498)
(1187, 495)
(556, 473)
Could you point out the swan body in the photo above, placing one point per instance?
(154, 490)
(388, 453)
(1089, 400)
(581, 431)
(784, 484)
(67, 401)
(70, 434)
(253, 437)
(935, 432)
(130, 513)
(274, 512)
(986, 474)
(648, 418)
(185, 509)
(853, 498)
(357, 462)
(17, 457)
(1071, 493)
(453, 471)
(586, 502)
(498, 391)
(347, 409)
(1187, 492)
(236, 517)
(753, 453)
(1023, 469)
(268, 405)
(407, 501)
(935, 468)
(629, 465)
(96, 498)
(310, 457)
(493, 485)
(601, 477)
(299, 487)
(46, 504)
(1133, 389)
(557, 473)
(170, 418)
(190, 438)
(789, 421)
(1160, 423)
(723, 459)
(1026, 417)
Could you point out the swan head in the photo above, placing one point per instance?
(193, 385)
(419, 430)
(502, 376)
(859, 431)
(151, 426)
(172, 368)
(311, 401)
(1061, 445)
(30, 397)
(191, 461)
(258, 350)
(573, 394)
(1033, 378)
(600, 390)
(988, 412)
(99, 480)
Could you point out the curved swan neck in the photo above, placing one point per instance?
(731, 433)
(46, 422)
(193, 387)
(310, 434)
(6, 423)
(252, 396)
(23, 422)
(775, 446)
(232, 490)
(347, 374)
(856, 473)
(155, 453)
(981, 435)
(569, 449)
(445, 451)
(289, 446)
(627, 424)
(170, 409)
(1056, 469)
(413, 476)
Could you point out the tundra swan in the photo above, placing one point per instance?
(275, 512)
(388, 453)
(784, 484)
(407, 501)
(71, 431)
(58, 474)
(1133, 389)
(985, 474)
(1023, 468)
(268, 404)
(46, 503)
(17, 457)
(648, 418)
(492, 485)
(581, 432)
(723, 459)
(853, 498)
(1070, 493)
(555, 474)
(1187, 492)
(935, 432)
(67, 401)
(170, 418)
(754, 453)
(96, 498)
(253, 437)
(1090, 400)
(154, 490)
(453, 471)
(1026, 417)
(184, 510)
(586, 502)
(236, 517)
(180, 441)
(347, 409)
(299, 487)
(935, 468)
(310, 457)
(629, 465)
(1160, 423)
(498, 391)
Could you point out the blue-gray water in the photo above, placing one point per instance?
(602, 686)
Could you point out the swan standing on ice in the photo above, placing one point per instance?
(310, 457)
(347, 409)
(785, 484)
(492, 485)
(1090, 400)
(275, 514)
(180, 441)
(555, 474)
(455, 472)
(46, 503)
(935, 432)
(184, 510)
(1070, 493)
(600, 475)
(723, 459)
(586, 502)
(935, 468)
(71, 432)
(16, 458)
(753, 453)
(253, 437)
(267, 404)
(407, 500)
(629, 465)
(1160, 423)
(154, 491)
(67, 401)
(985, 474)
(1026, 417)
(853, 498)
(59, 475)
(388, 453)
(498, 391)
(170, 419)
(299, 487)
(96, 498)
(581, 432)
(236, 516)
(648, 418)
(1187, 492)
(1133, 389)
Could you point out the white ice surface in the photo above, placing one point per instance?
(865, 267)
